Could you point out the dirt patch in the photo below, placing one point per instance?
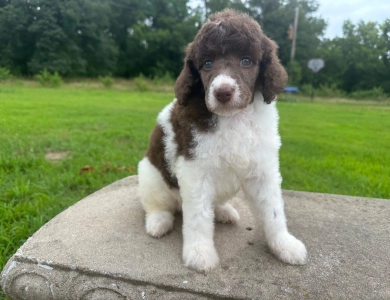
(56, 156)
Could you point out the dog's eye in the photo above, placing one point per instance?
(245, 62)
(208, 65)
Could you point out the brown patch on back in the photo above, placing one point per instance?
(185, 119)
(155, 153)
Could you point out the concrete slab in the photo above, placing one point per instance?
(98, 249)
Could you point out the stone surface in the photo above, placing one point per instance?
(98, 249)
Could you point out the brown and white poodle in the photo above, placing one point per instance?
(218, 137)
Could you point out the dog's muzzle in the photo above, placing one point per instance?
(224, 92)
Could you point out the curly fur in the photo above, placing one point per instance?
(229, 32)
(219, 136)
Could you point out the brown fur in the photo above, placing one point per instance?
(240, 34)
(155, 153)
(229, 35)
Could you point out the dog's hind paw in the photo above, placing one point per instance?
(288, 249)
(159, 223)
(226, 213)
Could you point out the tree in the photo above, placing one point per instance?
(125, 15)
(212, 6)
(70, 37)
(335, 64)
(53, 48)
(94, 37)
(275, 17)
(16, 43)
(357, 61)
(128, 37)
(385, 54)
(155, 45)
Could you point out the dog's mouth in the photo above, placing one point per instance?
(225, 110)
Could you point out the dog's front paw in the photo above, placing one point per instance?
(288, 249)
(200, 257)
(226, 213)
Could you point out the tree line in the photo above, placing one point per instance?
(126, 38)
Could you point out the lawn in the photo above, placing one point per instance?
(338, 148)
(59, 145)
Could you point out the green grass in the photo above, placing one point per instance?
(327, 147)
(339, 148)
(104, 129)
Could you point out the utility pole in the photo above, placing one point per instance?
(205, 10)
(294, 38)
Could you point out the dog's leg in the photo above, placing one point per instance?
(159, 202)
(226, 213)
(266, 197)
(197, 192)
(198, 229)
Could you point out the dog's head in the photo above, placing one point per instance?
(228, 61)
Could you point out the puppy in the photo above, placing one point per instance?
(219, 136)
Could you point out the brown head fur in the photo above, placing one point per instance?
(231, 33)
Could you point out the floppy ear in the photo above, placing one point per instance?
(188, 84)
(272, 76)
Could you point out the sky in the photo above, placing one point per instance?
(335, 12)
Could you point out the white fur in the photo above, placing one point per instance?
(158, 223)
(226, 213)
(159, 201)
(170, 145)
(242, 153)
(216, 106)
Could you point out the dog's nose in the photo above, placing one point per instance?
(224, 92)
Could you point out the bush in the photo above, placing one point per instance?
(5, 74)
(166, 79)
(305, 89)
(324, 90)
(107, 81)
(329, 91)
(376, 93)
(141, 83)
(46, 78)
(294, 72)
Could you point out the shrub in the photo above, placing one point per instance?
(166, 79)
(324, 90)
(46, 78)
(376, 93)
(294, 71)
(305, 89)
(5, 74)
(107, 81)
(329, 91)
(141, 83)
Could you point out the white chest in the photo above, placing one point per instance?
(239, 140)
